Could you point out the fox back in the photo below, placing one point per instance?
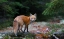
(22, 19)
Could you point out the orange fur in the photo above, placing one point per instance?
(21, 20)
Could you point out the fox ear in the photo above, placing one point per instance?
(35, 14)
(30, 14)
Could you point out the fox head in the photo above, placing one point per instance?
(32, 17)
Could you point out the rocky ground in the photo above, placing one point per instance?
(36, 27)
(32, 26)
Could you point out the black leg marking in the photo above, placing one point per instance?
(27, 28)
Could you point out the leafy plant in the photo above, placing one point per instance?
(54, 7)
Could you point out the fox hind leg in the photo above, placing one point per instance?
(20, 28)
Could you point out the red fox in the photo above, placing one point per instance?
(21, 20)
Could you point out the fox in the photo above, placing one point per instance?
(21, 20)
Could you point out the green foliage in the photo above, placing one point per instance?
(54, 7)
(6, 37)
(1, 1)
(9, 8)
(16, 4)
(12, 8)
(30, 36)
(55, 28)
(6, 23)
(27, 36)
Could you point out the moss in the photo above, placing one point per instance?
(6, 37)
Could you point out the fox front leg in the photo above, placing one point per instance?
(27, 28)
(24, 29)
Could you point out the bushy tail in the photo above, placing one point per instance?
(15, 27)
